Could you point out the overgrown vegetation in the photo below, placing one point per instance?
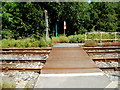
(8, 85)
(33, 42)
(90, 44)
(76, 38)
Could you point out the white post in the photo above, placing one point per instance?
(46, 20)
(64, 27)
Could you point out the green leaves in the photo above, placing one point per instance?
(25, 19)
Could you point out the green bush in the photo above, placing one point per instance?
(63, 39)
(23, 43)
(50, 43)
(55, 40)
(76, 38)
(7, 43)
(42, 43)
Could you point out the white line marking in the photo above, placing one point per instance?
(113, 84)
(70, 75)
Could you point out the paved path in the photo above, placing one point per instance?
(69, 66)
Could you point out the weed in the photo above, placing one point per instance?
(8, 85)
(90, 44)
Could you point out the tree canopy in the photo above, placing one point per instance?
(27, 19)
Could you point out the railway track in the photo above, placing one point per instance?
(45, 51)
(10, 64)
(44, 60)
(106, 59)
(23, 60)
(39, 69)
(102, 52)
(110, 68)
(21, 69)
(25, 52)
(26, 49)
(101, 48)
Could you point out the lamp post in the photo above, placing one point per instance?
(46, 20)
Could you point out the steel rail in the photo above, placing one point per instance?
(24, 49)
(21, 69)
(39, 69)
(25, 52)
(101, 48)
(103, 68)
(23, 60)
(110, 68)
(106, 59)
(99, 52)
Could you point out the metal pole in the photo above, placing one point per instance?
(64, 32)
(56, 30)
(46, 20)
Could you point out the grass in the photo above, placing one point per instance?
(39, 43)
(23, 43)
(8, 85)
(28, 86)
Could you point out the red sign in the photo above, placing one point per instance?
(65, 26)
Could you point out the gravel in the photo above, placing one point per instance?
(19, 76)
(116, 55)
(23, 56)
(106, 64)
(24, 65)
(112, 75)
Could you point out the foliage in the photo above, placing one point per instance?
(90, 44)
(22, 19)
(23, 43)
(55, 40)
(26, 19)
(33, 42)
(63, 39)
(76, 38)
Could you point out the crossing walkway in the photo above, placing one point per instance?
(69, 66)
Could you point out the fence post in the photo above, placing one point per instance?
(115, 37)
(101, 37)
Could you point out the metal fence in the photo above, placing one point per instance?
(102, 36)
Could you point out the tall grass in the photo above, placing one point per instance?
(32, 42)
(23, 43)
